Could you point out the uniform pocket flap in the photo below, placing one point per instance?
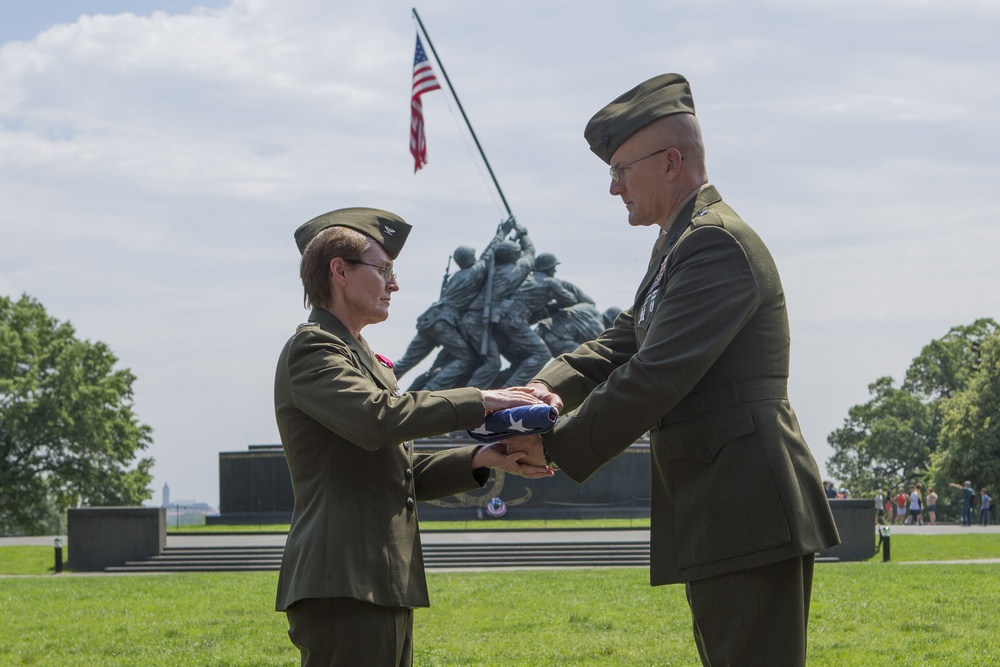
(701, 438)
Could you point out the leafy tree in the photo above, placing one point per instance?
(896, 437)
(883, 442)
(946, 365)
(970, 429)
(68, 434)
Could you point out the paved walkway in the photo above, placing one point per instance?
(497, 537)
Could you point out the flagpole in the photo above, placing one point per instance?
(459, 103)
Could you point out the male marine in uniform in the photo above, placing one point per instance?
(700, 361)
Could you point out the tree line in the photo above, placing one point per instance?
(69, 436)
(940, 425)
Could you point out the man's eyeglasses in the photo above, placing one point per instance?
(616, 171)
(386, 270)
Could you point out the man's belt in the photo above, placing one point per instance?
(731, 395)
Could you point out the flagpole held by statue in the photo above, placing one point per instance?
(506, 304)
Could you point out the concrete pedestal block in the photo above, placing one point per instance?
(856, 524)
(101, 537)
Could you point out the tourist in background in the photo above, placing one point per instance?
(901, 501)
(984, 508)
(879, 507)
(932, 499)
(914, 506)
(968, 500)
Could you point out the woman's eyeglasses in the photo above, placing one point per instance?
(386, 270)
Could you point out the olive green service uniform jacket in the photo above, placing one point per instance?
(346, 433)
(701, 362)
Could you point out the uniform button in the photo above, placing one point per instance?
(406, 446)
(410, 503)
(409, 474)
(706, 454)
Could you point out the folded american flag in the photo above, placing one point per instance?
(516, 421)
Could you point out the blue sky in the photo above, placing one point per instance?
(154, 164)
(24, 20)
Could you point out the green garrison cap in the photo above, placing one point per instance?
(651, 100)
(388, 229)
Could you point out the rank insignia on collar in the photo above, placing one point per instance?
(385, 361)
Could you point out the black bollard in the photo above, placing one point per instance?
(59, 562)
(885, 539)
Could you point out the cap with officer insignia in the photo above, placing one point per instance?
(387, 229)
(663, 95)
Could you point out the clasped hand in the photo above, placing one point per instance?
(497, 456)
(522, 454)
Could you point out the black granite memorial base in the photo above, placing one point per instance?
(255, 488)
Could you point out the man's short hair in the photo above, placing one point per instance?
(684, 131)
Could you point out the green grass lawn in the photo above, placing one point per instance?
(29, 559)
(862, 614)
(870, 613)
(915, 548)
(905, 548)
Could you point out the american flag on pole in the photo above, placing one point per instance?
(424, 81)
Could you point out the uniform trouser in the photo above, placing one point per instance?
(344, 632)
(753, 617)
